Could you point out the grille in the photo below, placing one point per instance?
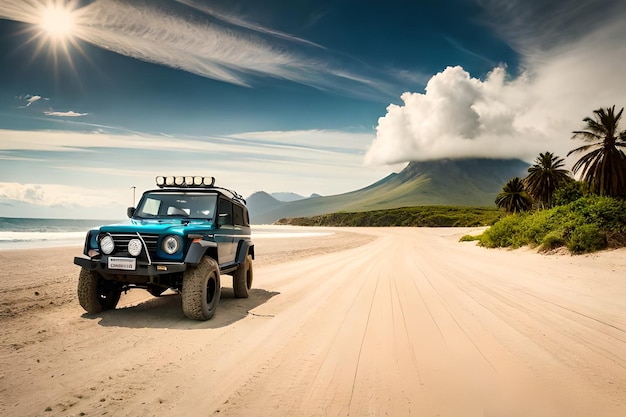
(121, 241)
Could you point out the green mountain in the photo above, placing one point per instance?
(461, 182)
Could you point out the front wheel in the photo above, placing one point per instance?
(95, 294)
(201, 290)
(242, 278)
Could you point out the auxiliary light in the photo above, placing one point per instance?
(185, 181)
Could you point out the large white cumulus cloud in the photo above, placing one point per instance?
(457, 116)
(460, 116)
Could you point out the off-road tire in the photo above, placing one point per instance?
(95, 294)
(242, 278)
(201, 290)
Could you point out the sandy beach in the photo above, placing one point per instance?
(361, 322)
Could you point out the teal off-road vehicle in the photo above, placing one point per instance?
(183, 236)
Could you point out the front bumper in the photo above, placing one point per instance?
(141, 268)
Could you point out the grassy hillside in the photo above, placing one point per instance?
(470, 182)
(424, 216)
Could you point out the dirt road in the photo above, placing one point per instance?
(406, 322)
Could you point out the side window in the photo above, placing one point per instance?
(225, 212)
(151, 207)
(238, 215)
(246, 217)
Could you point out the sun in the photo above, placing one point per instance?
(57, 21)
(57, 27)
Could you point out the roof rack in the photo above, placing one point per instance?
(233, 194)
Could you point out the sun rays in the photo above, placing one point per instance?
(199, 40)
(56, 27)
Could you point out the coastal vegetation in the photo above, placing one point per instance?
(549, 209)
(421, 216)
(585, 225)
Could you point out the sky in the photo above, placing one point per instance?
(99, 97)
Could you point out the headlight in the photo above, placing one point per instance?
(134, 247)
(107, 245)
(170, 244)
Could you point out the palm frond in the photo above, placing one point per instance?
(586, 135)
(603, 167)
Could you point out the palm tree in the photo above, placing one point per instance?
(514, 197)
(544, 177)
(604, 164)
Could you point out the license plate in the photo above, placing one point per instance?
(126, 264)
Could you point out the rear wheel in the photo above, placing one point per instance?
(201, 290)
(96, 294)
(242, 278)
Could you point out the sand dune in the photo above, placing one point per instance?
(364, 322)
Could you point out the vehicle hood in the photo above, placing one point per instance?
(161, 226)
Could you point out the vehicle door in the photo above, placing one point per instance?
(224, 234)
(241, 224)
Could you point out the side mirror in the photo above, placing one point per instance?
(223, 218)
(130, 212)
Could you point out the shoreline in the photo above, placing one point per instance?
(14, 240)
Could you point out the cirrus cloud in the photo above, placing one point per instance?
(64, 114)
(211, 44)
(31, 99)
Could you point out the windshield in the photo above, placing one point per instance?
(191, 205)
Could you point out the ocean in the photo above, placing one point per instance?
(19, 233)
(24, 233)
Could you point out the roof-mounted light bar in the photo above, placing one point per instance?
(189, 182)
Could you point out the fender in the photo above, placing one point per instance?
(197, 251)
(243, 249)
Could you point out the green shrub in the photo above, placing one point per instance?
(469, 238)
(504, 233)
(585, 225)
(552, 240)
(586, 238)
(606, 212)
(568, 193)
(535, 227)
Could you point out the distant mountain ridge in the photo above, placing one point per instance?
(463, 182)
(287, 197)
(260, 203)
